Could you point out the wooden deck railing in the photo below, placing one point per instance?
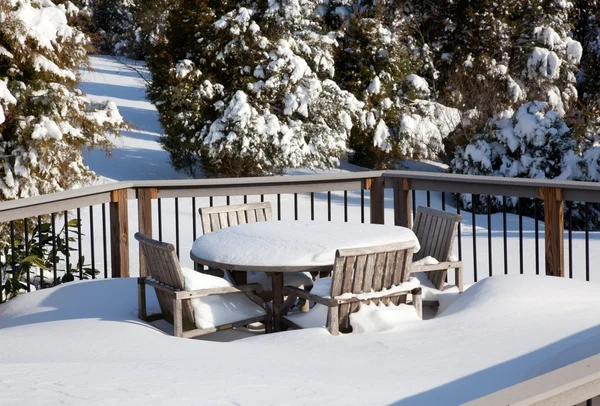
(403, 183)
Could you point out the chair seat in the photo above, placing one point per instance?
(217, 310)
(314, 318)
(301, 280)
(322, 287)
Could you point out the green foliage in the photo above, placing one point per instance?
(32, 257)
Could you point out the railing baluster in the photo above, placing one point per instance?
(328, 205)
(92, 254)
(444, 201)
(210, 201)
(194, 234)
(105, 250)
(26, 231)
(278, 206)
(414, 204)
(13, 262)
(245, 199)
(160, 219)
(345, 206)
(459, 232)
(474, 233)
(68, 255)
(428, 194)
(312, 205)
(296, 206)
(79, 248)
(262, 198)
(520, 212)
(228, 200)
(39, 230)
(587, 241)
(537, 235)
(570, 210)
(177, 226)
(53, 222)
(489, 221)
(505, 235)
(362, 206)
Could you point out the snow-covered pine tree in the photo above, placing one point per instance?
(249, 87)
(377, 60)
(532, 138)
(45, 121)
(586, 17)
(372, 61)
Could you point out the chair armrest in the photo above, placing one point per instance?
(436, 267)
(294, 291)
(191, 294)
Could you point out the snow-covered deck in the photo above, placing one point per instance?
(82, 342)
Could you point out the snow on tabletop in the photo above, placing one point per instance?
(215, 310)
(83, 341)
(283, 243)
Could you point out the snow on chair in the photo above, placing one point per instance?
(361, 275)
(195, 312)
(436, 230)
(218, 217)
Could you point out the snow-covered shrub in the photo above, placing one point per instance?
(45, 121)
(377, 63)
(533, 142)
(247, 87)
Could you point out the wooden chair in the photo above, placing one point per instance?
(218, 217)
(166, 277)
(436, 231)
(356, 271)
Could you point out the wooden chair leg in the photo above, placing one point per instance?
(458, 276)
(177, 318)
(333, 320)
(142, 299)
(417, 300)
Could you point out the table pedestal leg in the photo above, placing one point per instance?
(277, 286)
(240, 278)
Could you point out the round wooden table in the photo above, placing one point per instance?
(289, 246)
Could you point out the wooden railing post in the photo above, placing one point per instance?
(377, 206)
(402, 214)
(144, 197)
(119, 234)
(553, 230)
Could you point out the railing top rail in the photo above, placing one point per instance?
(258, 181)
(495, 184)
(493, 180)
(568, 385)
(61, 196)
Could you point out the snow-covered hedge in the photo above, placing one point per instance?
(533, 142)
(45, 121)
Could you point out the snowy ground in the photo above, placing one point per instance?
(71, 345)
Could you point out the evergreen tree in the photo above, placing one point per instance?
(246, 87)
(45, 121)
(377, 61)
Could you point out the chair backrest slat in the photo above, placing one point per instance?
(218, 217)
(363, 270)
(435, 230)
(162, 264)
